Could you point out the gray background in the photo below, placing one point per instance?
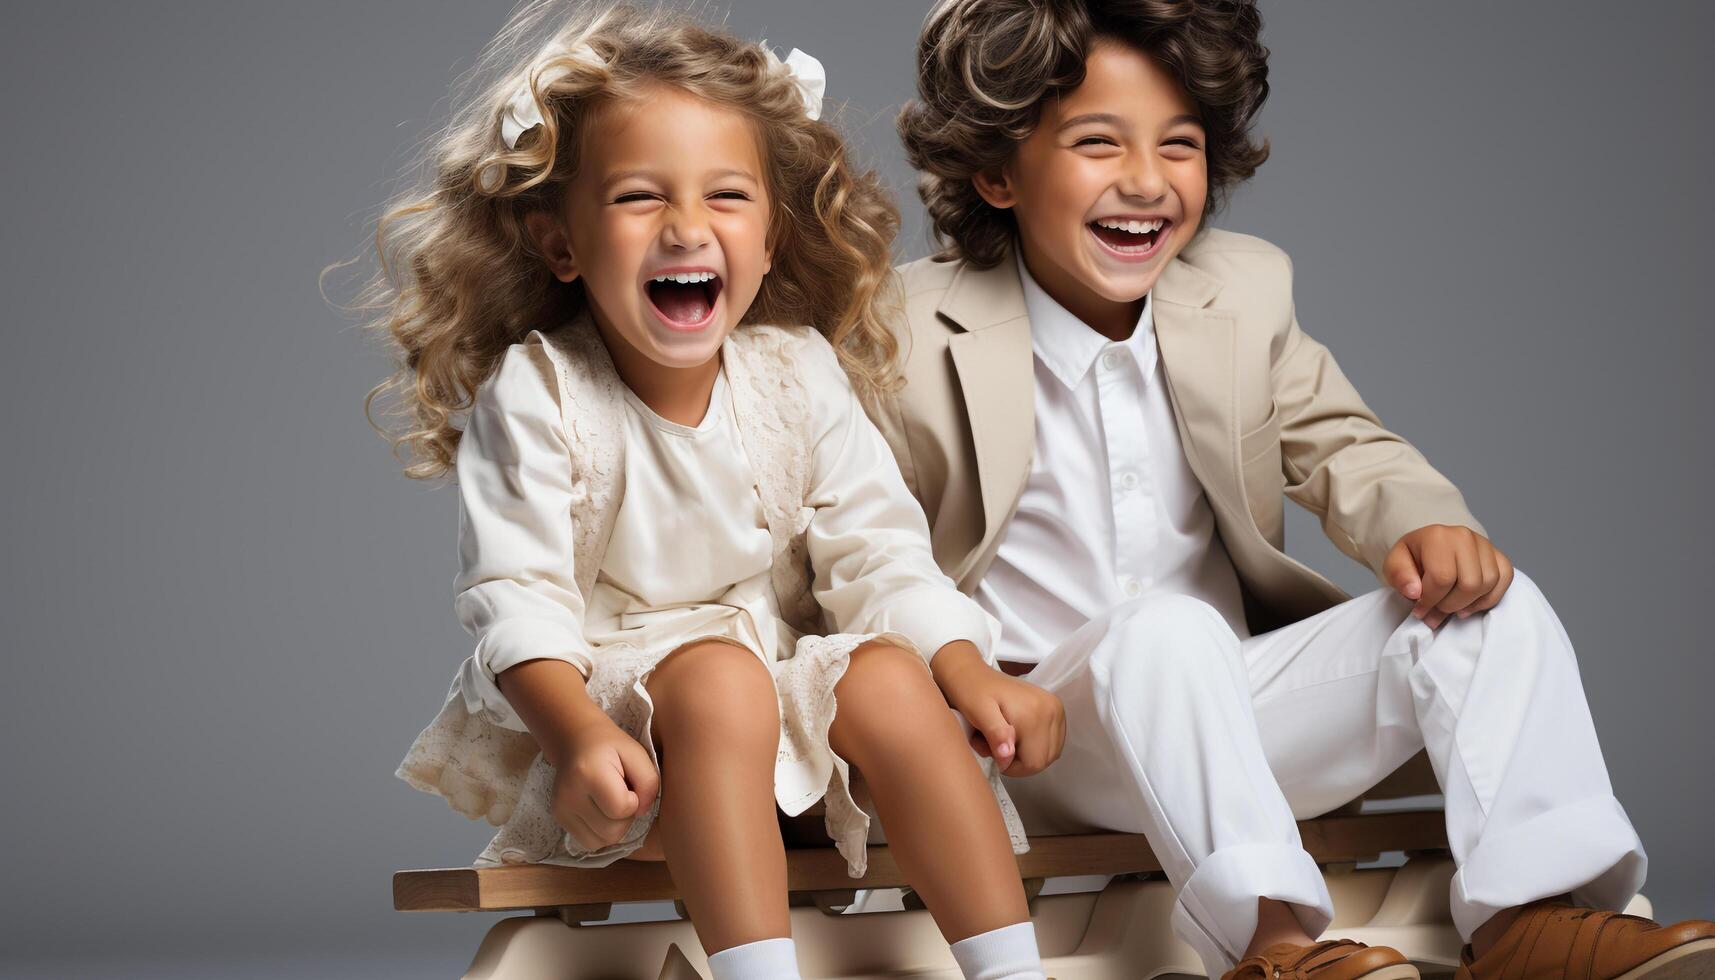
(228, 613)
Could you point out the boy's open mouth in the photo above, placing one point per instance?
(1129, 235)
(685, 300)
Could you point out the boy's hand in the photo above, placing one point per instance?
(604, 781)
(1447, 569)
(1019, 725)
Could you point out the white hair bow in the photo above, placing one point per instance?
(522, 113)
(806, 73)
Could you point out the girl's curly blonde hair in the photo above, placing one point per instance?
(459, 279)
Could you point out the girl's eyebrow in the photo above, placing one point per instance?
(623, 175)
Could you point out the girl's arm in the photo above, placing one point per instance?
(518, 597)
(868, 540)
(516, 591)
(875, 572)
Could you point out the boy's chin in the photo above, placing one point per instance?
(1125, 288)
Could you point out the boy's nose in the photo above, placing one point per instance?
(1144, 179)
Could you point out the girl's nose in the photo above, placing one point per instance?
(686, 230)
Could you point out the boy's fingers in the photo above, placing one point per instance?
(1440, 574)
(1470, 576)
(1400, 571)
(1491, 578)
(1504, 581)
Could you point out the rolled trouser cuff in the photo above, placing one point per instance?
(1586, 849)
(1216, 911)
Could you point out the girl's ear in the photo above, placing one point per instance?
(555, 246)
(995, 187)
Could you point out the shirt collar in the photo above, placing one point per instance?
(1069, 346)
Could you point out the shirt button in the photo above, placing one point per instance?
(1112, 360)
(1128, 480)
(1132, 587)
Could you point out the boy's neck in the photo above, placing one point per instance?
(1114, 320)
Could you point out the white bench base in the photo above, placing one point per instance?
(1118, 933)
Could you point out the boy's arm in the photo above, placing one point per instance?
(1368, 485)
(1378, 498)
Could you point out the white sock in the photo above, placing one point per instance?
(1007, 953)
(765, 959)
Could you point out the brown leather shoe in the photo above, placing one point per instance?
(1331, 959)
(1555, 941)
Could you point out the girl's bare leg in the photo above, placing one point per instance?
(893, 724)
(717, 724)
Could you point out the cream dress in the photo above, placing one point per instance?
(689, 559)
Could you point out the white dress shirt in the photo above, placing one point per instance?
(1111, 510)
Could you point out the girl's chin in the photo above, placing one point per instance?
(678, 349)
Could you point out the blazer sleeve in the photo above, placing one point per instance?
(1368, 485)
(868, 540)
(515, 590)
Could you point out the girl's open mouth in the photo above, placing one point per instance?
(1130, 238)
(684, 300)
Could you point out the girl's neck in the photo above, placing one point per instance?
(679, 395)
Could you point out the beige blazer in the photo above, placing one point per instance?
(1263, 411)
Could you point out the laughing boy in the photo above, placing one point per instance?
(1106, 403)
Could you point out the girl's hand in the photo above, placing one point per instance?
(1447, 569)
(602, 778)
(603, 781)
(1019, 725)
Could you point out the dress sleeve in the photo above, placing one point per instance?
(516, 593)
(867, 538)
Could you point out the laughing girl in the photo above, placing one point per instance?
(698, 586)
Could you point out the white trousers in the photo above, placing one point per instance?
(1211, 747)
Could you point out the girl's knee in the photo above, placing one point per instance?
(882, 684)
(885, 669)
(714, 690)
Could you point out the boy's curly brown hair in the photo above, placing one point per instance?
(984, 68)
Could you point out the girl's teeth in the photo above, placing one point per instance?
(686, 278)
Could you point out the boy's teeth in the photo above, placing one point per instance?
(1134, 227)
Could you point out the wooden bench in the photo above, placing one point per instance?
(817, 881)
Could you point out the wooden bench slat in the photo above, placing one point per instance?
(1328, 839)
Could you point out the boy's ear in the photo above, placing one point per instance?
(995, 187)
(549, 237)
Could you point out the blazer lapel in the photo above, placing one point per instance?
(993, 360)
(1201, 366)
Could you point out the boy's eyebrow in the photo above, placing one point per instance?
(1113, 120)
